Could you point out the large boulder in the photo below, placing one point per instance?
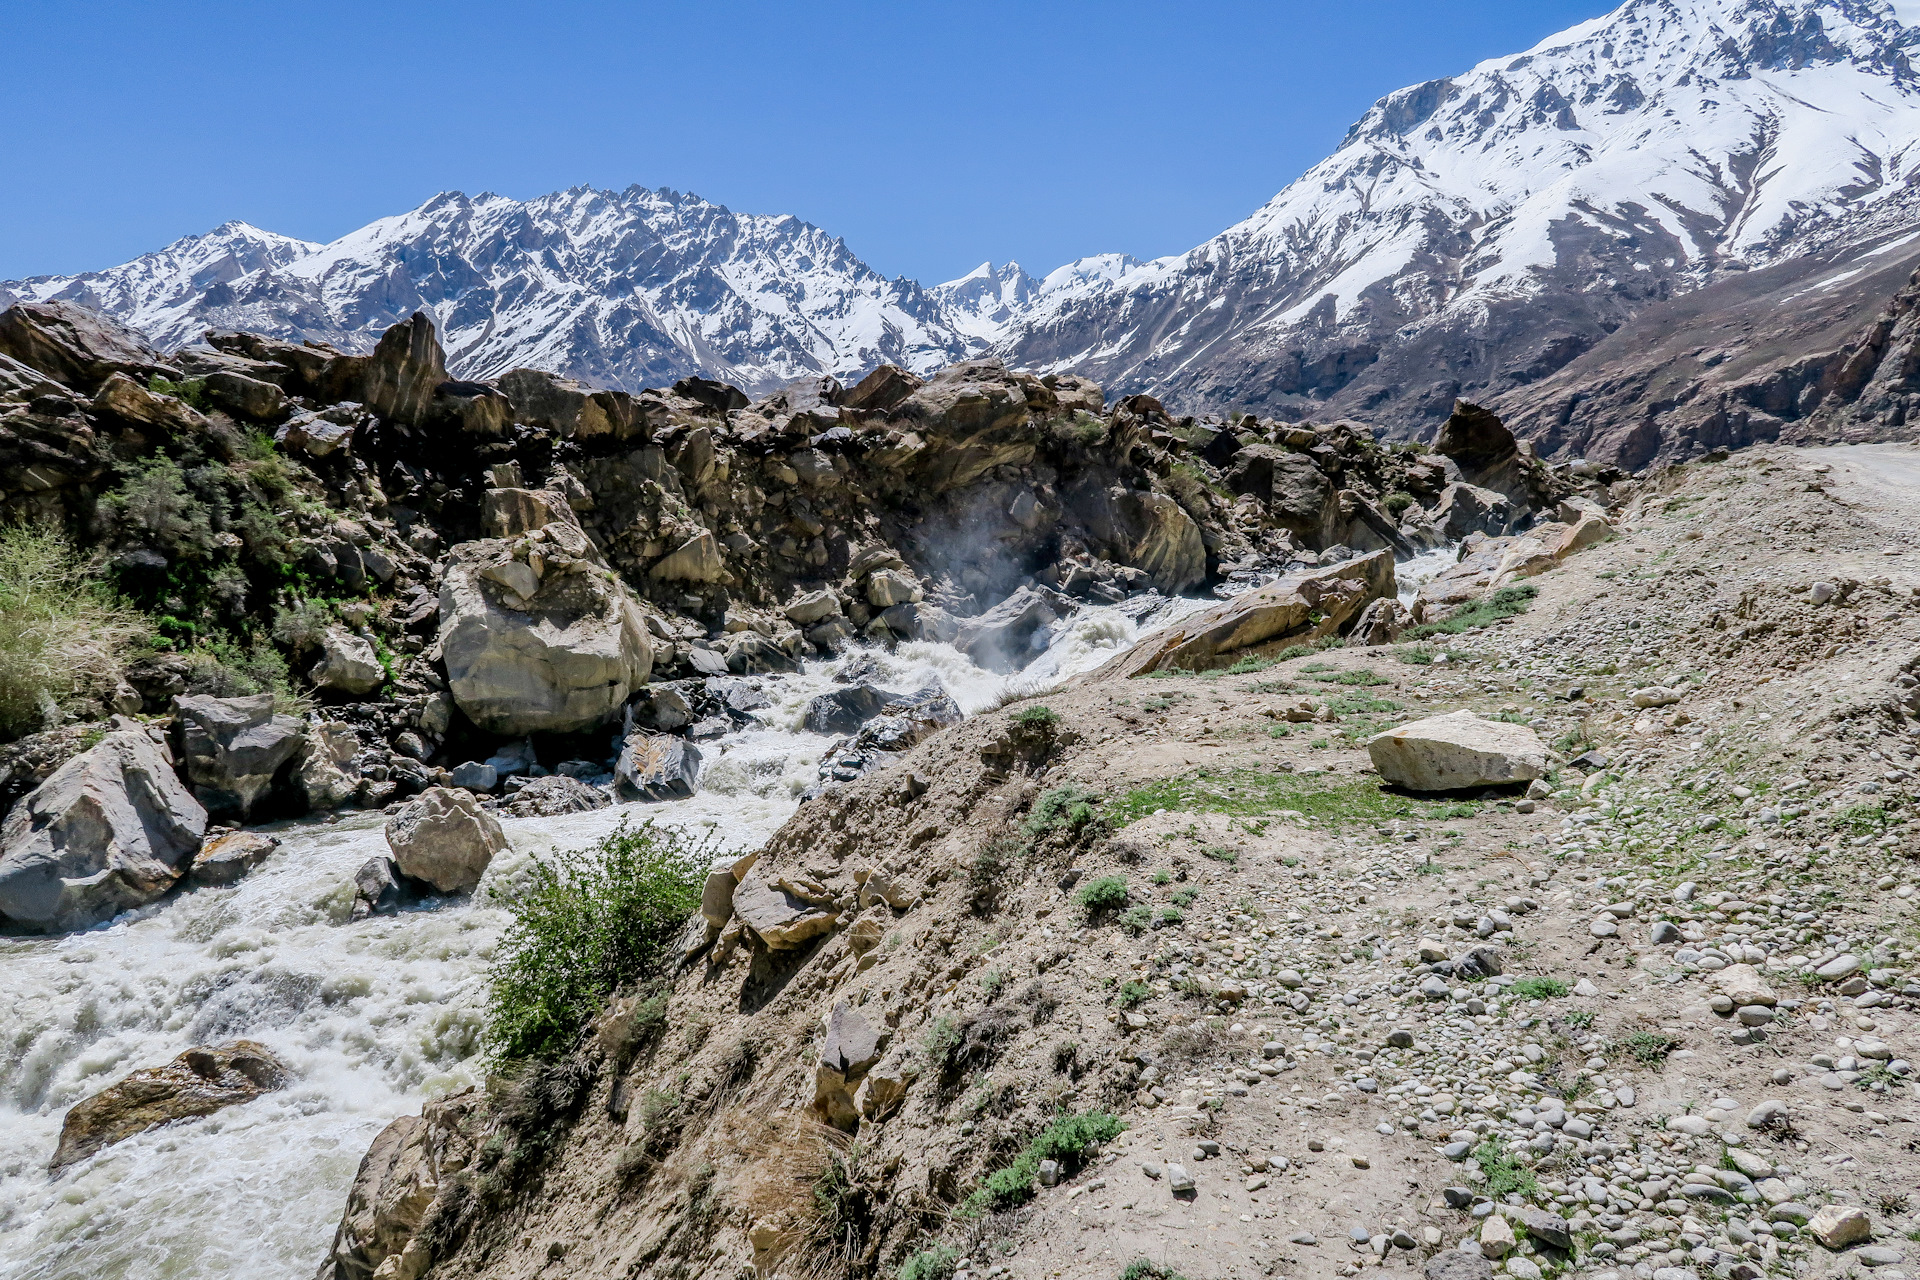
(1302, 606)
(553, 796)
(538, 635)
(1296, 493)
(348, 664)
(224, 859)
(845, 709)
(110, 830)
(405, 370)
(1489, 456)
(71, 344)
(780, 918)
(234, 748)
(445, 839)
(1001, 639)
(197, 1083)
(325, 773)
(411, 1163)
(129, 401)
(565, 407)
(1456, 752)
(1152, 533)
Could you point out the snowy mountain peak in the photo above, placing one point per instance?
(982, 303)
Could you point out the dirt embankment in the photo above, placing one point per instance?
(1657, 1021)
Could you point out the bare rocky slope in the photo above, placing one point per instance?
(1652, 1016)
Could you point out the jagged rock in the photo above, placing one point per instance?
(469, 408)
(406, 368)
(411, 1163)
(377, 889)
(887, 387)
(1001, 639)
(570, 409)
(723, 877)
(234, 748)
(225, 859)
(852, 1046)
(1743, 984)
(445, 839)
(1380, 623)
(1297, 494)
(1463, 509)
(750, 653)
(885, 1086)
(197, 1083)
(315, 435)
(110, 830)
(698, 559)
(1490, 458)
(1457, 1264)
(655, 766)
(245, 397)
(348, 664)
(844, 710)
(508, 513)
(562, 660)
(552, 797)
(661, 708)
(889, 587)
(1456, 752)
(780, 919)
(325, 773)
(1839, 1225)
(1298, 607)
(1150, 532)
(814, 607)
(75, 346)
(129, 401)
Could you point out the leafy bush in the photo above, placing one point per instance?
(1540, 988)
(1108, 893)
(192, 391)
(1293, 651)
(1396, 502)
(589, 921)
(61, 633)
(1133, 992)
(1137, 919)
(302, 625)
(1649, 1048)
(1037, 717)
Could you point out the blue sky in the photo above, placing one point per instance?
(929, 136)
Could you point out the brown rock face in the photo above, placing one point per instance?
(405, 370)
(197, 1083)
(409, 1164)
(73, 345)
(445, 839)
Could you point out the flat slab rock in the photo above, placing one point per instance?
(197, 1083)
(1458, 752)
(782, 919)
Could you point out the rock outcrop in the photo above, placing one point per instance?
(234, 749)
(197, 1083)
(110, 830)
(445, 839)
(412, 1162)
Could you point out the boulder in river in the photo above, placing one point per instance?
(110, 830)
(234, 748)
(225, 858)
(553, 796)
(538, 635)
(411, 1163)
(654, 766)
(445, 839)
(197, 1083)
(845, 709)
(1458, 751)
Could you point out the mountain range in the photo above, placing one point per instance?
(1495, 235)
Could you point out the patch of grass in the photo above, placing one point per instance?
(1396, 502)
(1507, 602)
(942, 1042)
(1248, 793)
(1358, 676)
(586, 923)
(1579, 1019)
(1540, 988)
(1430, 869)
(62, 634)
(1132, 993)
(1037, 717)
(1220, 853)
(1362, 704)
(1861, 820)
(1068, 1140)
(1162, 876)
(1307, 649)
(1141, 1269)
(1415, 655)
(1185, 897)
(1137, 920)
(1171, 916)
(191, 391)
(1247, 666)
(1108, 893)
(1505, 1175)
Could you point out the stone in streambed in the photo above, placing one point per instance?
(657, 767)
(226, 858)
(445, 839)
(197, 1083)
(1458, 751)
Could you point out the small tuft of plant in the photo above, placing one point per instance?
(1162, 876)
(1141, 1269)
(1579, 1019)
(986, 876)
(1137, 919)
(1507, 602)
(1170, 916)
(1108, 893)
(936, 1263)
(1133, 992)
(1220, 853)
(1505, 1175)
(1068, 1139)
(1065, 808)
(1185, 897)
(1540, 988)
(1037, 717)
(1649, 1048)
(1396, 502)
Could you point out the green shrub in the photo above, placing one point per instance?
(1037, 717)
(192, 391)
(1247, 666)
(590, 921)
(1108, 893)
(1505, 1175)
(1185, 897)
(1137, 919)
(1507, 602)
(1540, 988)
(936, 1263)
(1220, 853)
(1133, 992)
(1162, 876)
(1396, 502)
(1068, 807)
(301, 625)
(943, 1041)
(1171, 916)
(1068, 1139)
(61, 633)
(1306, 649)
(1649, 1048)
(1141, 1269)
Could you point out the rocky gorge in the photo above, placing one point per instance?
(1059, 813)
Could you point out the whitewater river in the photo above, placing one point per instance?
(373, 1018)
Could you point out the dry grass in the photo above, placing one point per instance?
(62, 635)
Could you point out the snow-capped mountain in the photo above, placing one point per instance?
(627, 289)
(983, 303)
(1476, 233)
